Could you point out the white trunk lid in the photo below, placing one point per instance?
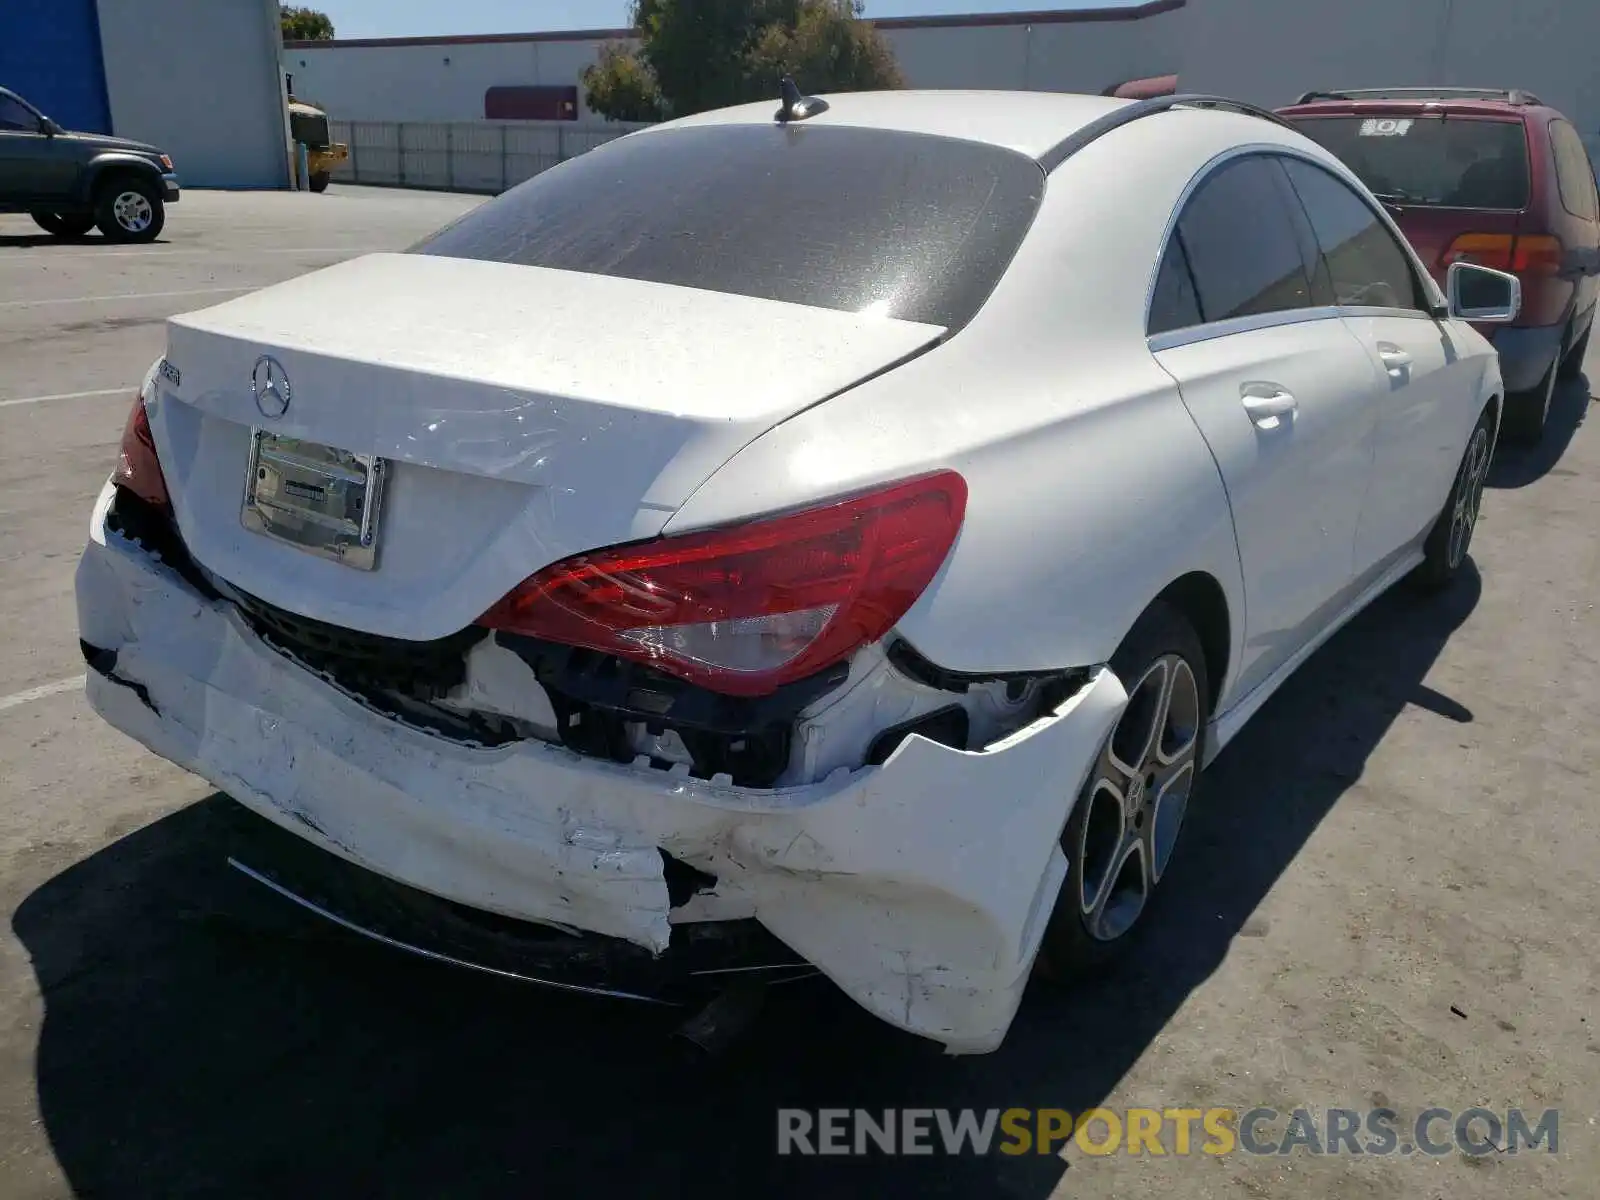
(523, 414)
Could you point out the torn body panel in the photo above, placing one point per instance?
(920, 886)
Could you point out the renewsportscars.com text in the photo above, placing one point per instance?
(1165, 1131)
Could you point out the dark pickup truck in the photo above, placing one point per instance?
(70, 182)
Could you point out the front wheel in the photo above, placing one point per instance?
(130, 210)
(1120, 838)
(320, 180)
(63, 225)
(1451, 536)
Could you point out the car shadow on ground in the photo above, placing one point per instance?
(185, 1056)
(27, 241)
(1518, 466)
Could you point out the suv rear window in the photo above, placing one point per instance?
(899, 224)
(1449, 162)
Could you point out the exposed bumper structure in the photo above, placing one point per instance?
(921, 887)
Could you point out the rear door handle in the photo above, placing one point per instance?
(1268, 403)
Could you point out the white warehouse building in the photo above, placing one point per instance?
(1265, 51)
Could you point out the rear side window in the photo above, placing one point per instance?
(1455, 162)
(1367, 266)
(1574, 172)
(1174, 304)
(1241, 245)
(861, 220)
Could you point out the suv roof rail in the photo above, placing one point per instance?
(1510, 95)
(1139, 109)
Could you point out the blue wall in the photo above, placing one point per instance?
(50, 53)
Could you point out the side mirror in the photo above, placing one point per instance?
(1481, 294)
(48, 127)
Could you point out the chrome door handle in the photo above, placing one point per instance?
(1267, 403)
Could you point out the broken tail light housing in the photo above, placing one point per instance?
(138, 469)
(745, 609)
(1527, 255)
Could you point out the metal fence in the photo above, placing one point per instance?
(462, 156)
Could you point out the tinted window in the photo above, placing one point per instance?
(1574, 172)
(902, 225)
(1174, 304)
(1462, 162)
(1368, 267)
(1241, 244)
(17, 116)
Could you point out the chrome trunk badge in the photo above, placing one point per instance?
(269, 384)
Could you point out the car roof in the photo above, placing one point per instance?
(1030, 123)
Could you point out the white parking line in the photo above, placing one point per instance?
(125, 390)
(129, 296)
(43, 691)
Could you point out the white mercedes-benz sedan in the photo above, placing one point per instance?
(855, 526)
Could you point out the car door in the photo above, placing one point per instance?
(1424, 383)
(1580, 231)
(1282, 392)
(30, 170)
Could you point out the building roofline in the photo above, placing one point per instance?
(1069, 16)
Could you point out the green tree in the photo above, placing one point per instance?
(304, 24)
(700, 54)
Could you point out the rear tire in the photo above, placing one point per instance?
(1572, 364)
(1118, 852)
(63, 225)
(320, 181)
(1445, 551)
(1527, 412)
(129, 209)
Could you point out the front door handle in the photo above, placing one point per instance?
(1268, 404)
(1394, 358)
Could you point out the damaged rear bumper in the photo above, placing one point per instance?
(921, 887)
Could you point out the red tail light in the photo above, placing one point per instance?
(745, 609)
(138, 469)
(1533, 255)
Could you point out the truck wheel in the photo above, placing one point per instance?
(321, 180)
(63, 225)
(128, 209)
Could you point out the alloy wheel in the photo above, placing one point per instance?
(1138, 798)
(133, 211)
(1469, 496)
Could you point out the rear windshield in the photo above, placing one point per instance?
(1452, 162)
(896, 224)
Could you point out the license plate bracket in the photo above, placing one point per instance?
(316, 498)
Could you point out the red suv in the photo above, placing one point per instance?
(1490, 177)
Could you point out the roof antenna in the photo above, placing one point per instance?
(796, 105)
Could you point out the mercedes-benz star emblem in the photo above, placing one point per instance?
(269, 383)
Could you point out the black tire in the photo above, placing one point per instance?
(1572, 364)
(1445, 551)
(120, 215)
(1527, 412)
(320, 181)
(63, 225)
(1077, 943)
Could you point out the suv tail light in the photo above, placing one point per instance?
(745, 609)
(138, 469)
(1527, 255)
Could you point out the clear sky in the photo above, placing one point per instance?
(416, 18)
